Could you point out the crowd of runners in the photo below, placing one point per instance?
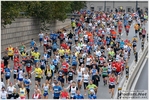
(91, 50)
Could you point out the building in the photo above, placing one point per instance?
(111, 5)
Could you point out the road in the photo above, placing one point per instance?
(102, 90)
(142, 83)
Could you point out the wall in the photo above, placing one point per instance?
(99, 5)
(23, 30)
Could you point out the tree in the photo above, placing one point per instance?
(46, 11)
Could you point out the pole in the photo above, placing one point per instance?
(136, 5)
(127, 71)
(113, 3)
(119, 93)
(105, 6)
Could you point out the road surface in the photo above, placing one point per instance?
(102, 90)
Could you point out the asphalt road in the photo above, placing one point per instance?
(102, 90)
(142, 83)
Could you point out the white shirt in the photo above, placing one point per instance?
(98, 53)
(86, 78)
(108, 30)
(10, 89)
(88, 61)
(3, 94)
(2, 85)
(41, 35)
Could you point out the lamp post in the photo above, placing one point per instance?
(136, 5)
(105, 6)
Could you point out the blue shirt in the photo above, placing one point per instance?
(57, 90)
(92, 96)
(78, 96)
(32, 43)
(55, 62)
(7, 72)
(26, 81)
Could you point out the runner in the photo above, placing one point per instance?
(27, 83)
(78, 95)
(56, 91)
(10, 52)
(36, 95)
(41, 35)
(28, 63)
(22, 92)
(48, 73)
(21, 73)
(15, 94)
(104, 73)
(2, 69)
(10, 89)
(38, 75)
(92, 86)
(7, 73)
(86, 78)
(64, 94)
(3, 94)
(72, 89)
(79, 77)
(112, 82)
(46, 88)
(70, 74)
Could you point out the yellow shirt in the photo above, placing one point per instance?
(38, 72)
(36, 55)
(32, 53)
(10, 51)
(22, 92)
(67, 51)
(76, 54)
(61, 52)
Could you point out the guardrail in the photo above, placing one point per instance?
(134, 69)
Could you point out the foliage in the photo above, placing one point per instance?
(46, 11)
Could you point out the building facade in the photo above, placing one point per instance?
(111, 5)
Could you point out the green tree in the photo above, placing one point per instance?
(46, 11)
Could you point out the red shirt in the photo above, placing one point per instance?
(112, 79)
(16, 51)
(64, 45)
(16, 60)
(65, 66)
(2, 67)
(61, 35)
(120, 27)
(118, 67)
(113, 64)
(64, 95)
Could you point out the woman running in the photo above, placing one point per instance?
(86, 78)
(10, 90)
(104, 73)
(3, 94)
(112, 82)
(79, 77)
(46, 88)
(22, 92)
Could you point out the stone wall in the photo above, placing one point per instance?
(23, 30)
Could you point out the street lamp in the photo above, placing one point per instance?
(136, 5)
(105, 6)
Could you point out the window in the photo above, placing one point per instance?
(92, 8)
(108, 9)
(145, 8)
(128, 10)
(100, 8)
